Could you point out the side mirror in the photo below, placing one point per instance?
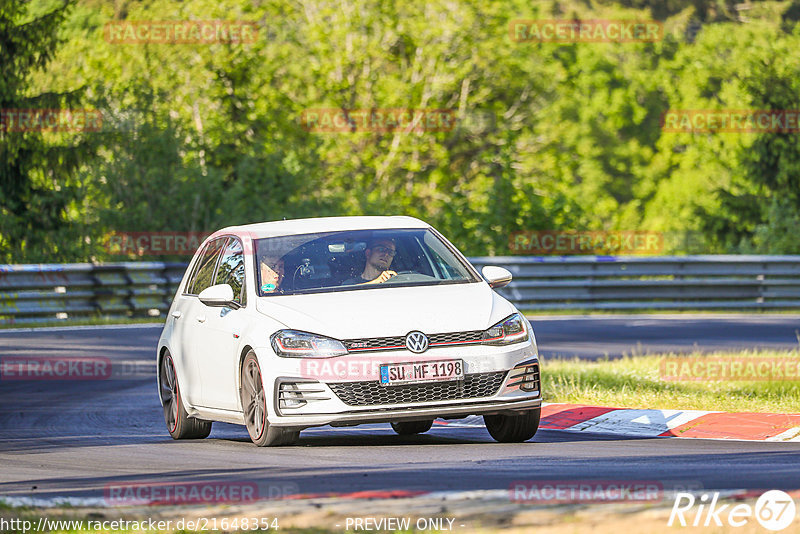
(496, 276)
(218, 295)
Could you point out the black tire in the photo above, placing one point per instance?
(179, 424)
(254, 408)
(406, 428)
(513, 428)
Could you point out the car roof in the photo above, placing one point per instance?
(321, 224)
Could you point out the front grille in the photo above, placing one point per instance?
(456, 338)
(371, 393)
(375, 343)
(399, 342)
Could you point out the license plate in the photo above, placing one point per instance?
(406, 373)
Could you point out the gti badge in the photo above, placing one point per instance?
(417, 342)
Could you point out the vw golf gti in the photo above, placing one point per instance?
(286, 325)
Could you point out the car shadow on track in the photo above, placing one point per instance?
(332, 437)
(381, 435)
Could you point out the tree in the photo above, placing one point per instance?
(760, 210)
(37, 167)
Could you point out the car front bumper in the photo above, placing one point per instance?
(462, 409)
(492, 385)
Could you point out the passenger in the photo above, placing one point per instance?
(271, 273)
(379, 253)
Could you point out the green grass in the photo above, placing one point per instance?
(637, 382)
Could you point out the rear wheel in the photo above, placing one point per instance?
(254, 406)
(179, 424)
(513, 428)
(406, 428)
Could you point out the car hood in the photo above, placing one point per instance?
(389, 311)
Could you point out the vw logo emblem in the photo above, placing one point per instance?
(416, 341)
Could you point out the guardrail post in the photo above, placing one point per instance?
(112, 290)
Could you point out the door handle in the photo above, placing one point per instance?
(201, 318)
(177, 314)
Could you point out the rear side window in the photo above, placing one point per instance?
(206, 266)
(231, 270)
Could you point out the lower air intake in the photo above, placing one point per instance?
(372, 393)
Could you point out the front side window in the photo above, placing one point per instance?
(356, 260)
(231, 269)
(206, 266)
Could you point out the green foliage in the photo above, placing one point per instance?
(548, 136)
(762, 201)
(37, 169)
(779, 232)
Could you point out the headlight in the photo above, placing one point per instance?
(510, 330)
(296, 344)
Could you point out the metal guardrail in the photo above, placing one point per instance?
(51, 292)
(647, 282)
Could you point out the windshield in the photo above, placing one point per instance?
(356, 260)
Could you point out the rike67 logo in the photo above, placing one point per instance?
(774, 510)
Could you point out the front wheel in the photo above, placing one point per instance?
(513, 428)
(254, 406)
(179, 424)
(407, 428)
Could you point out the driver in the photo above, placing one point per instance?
(380, 253)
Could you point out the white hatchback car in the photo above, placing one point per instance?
(341, 321)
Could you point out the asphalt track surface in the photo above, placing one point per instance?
(78, 438)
